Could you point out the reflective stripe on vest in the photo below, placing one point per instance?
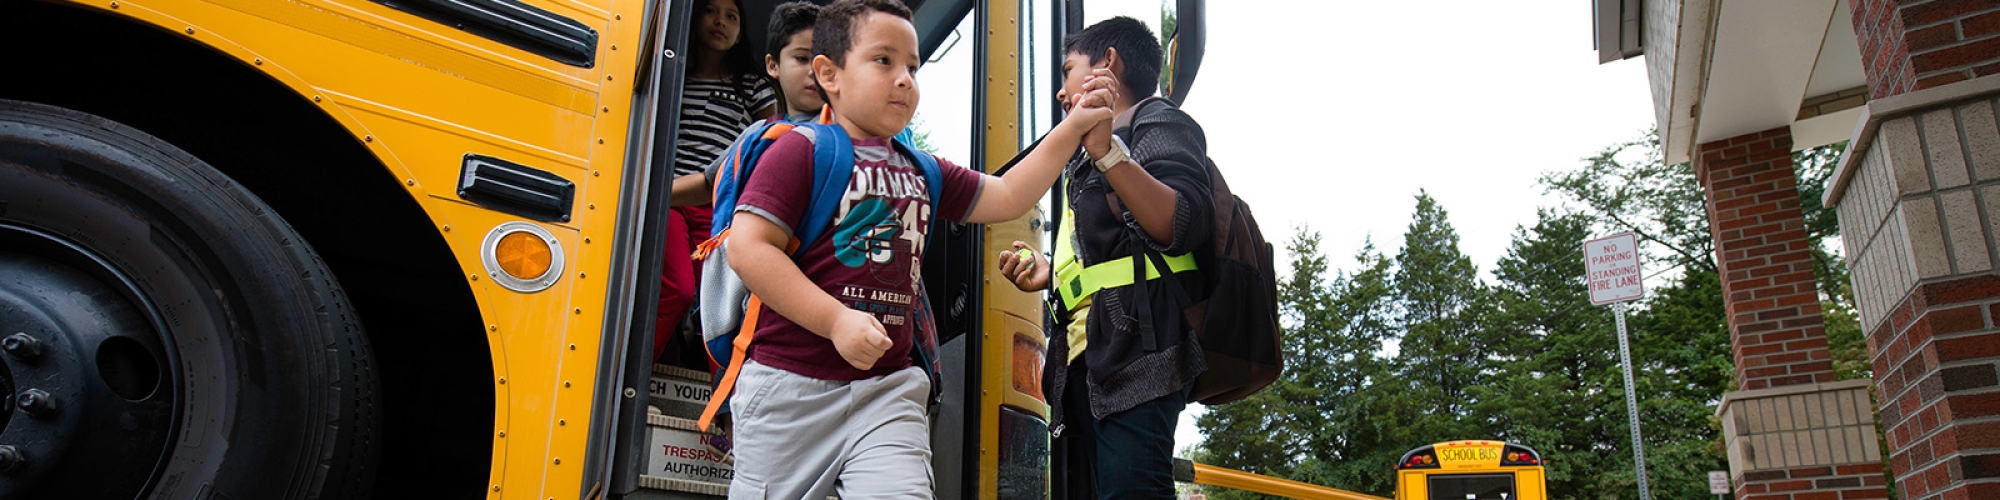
(1113, 273)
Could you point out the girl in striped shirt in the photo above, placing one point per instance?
(725, 91)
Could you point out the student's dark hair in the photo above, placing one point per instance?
(740, 63)
(1136, 46)
(833, 34)
(788, 19)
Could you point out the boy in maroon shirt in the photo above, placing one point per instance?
(828, 398)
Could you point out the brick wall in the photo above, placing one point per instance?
(1765, 260)
(1846, 482)
(1918, 44)
(1937, 363)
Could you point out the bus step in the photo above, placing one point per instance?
(683, 457)
(663, 488)
(679, 392)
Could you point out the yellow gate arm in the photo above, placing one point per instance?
(1190, 472)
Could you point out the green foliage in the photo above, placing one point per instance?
(1631, 188)
(920, 135)
(1412, 348)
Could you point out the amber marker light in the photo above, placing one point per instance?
(522, 256)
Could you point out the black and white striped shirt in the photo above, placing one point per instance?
(712, 114)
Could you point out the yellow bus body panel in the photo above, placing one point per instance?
(420, 96)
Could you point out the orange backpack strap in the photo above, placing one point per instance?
(737, 351)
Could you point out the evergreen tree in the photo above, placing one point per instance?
(1558, 384)
(1441, 354)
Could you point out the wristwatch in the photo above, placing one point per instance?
(1116, 156)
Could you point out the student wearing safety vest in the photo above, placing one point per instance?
(1118, 373)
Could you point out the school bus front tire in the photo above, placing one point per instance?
(165, 333)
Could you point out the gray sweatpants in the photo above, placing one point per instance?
(799, 437)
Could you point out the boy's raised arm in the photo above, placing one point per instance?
(756, 253)
(1003, 198)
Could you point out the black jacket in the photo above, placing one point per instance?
(1122, 372)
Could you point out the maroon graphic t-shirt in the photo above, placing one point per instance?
(870, 259)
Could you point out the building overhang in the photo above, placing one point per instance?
(1725, 68)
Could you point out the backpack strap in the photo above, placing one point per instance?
(832, 150)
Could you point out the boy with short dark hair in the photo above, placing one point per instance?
(1116, 389)
(828, 398)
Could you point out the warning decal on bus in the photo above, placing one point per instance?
(684, 454)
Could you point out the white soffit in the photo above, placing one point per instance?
(1763, 55)
(1839, 67)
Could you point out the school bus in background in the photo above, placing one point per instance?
(1471, 470)
(347, 249)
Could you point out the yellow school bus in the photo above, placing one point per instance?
(346, 249)
(1471, 470)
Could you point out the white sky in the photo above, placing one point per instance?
(1333, 115)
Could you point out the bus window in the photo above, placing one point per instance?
(1472, 486)
(944, 117)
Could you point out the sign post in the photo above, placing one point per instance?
(1611, 266)
(1718, 483)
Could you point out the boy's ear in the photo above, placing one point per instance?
(771, 66)
(1111, 60)
(826, 74)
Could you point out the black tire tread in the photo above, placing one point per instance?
(345, 445)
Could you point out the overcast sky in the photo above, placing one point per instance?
(1333, 115)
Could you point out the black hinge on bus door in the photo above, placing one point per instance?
(511, 22)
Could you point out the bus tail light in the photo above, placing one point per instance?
(1520, 455)
(1417, 460)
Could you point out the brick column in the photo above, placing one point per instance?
(1792, 432)
(1918, 194)
(1765, 261)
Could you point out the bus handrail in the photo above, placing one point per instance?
(1187, 471)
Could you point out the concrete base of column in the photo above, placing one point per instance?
(1800, 442)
